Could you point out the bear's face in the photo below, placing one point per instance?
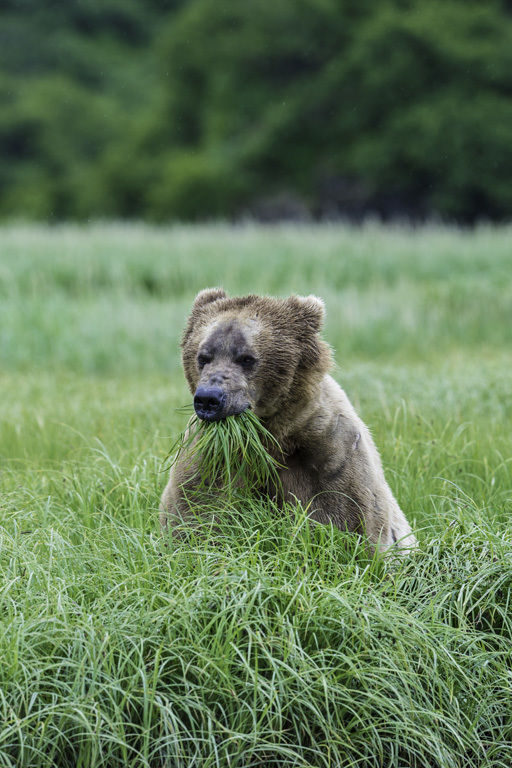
(227, 361)
(251, 352)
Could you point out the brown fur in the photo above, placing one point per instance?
(331, 463)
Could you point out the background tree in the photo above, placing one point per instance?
(198, 109)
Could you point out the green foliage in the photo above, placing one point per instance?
(49, 121)
(392, 105)
(69, 78)
(173, 110)
(435, 121)
(202, 187)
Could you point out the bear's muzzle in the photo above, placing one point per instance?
(210, 403)
(214, 404)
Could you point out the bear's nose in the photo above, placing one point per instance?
(209, 403)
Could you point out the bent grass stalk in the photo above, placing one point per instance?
(232, 454)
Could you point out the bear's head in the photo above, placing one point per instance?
(253, 352)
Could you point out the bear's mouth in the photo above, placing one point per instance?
(213, 404)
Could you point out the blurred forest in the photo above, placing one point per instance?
(196, 109)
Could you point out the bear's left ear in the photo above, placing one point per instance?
(310, 308)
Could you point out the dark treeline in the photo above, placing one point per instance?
(194, 109)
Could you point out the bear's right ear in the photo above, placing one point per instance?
(207, 296)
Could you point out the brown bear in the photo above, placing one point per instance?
(266, 354)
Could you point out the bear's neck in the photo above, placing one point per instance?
(291, 422)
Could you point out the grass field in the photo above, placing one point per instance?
(275, 644)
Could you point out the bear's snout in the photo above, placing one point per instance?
(209, 403)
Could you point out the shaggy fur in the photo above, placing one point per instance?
(266, 354)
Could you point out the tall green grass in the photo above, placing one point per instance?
(264, 641)
(114, 297)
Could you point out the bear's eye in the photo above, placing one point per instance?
(246, 361)
(203, 360)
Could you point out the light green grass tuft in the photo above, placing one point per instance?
(232, 453)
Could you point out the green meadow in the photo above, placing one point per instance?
(269, 642)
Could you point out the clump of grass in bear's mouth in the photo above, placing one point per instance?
(232, 453)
